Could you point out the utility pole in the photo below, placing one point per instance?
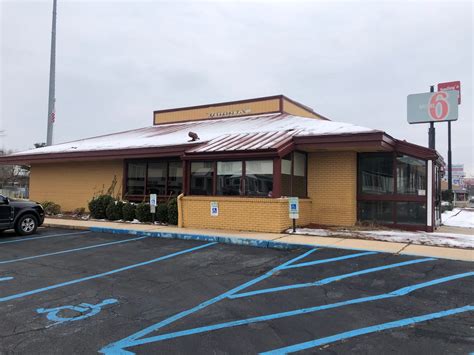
(450, 165)
(52, 74)
(431, 130)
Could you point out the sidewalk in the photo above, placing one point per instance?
(272, 240)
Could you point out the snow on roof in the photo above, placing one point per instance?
(209, 132)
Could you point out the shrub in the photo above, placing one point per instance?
(142, 212)
(98, 206)
(51, 208)
(79, 211)
(173, 211)
(162, 213)
(447, 195)
(128, 211)
(114, 210)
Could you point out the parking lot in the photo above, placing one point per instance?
(66, 291)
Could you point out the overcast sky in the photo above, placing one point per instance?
(117, 61)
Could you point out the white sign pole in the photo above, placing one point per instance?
(153, 203)
(294, 210)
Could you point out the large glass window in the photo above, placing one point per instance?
(376, 173)
(293, 179)
(299, 175)
(157, 178)
(154, 177)
(202, 176)
(286, 175)
(175, 178)
(411, 176)
(229, 178)
(259, 177)
(411, 213)
(376, 211)
(136, 174)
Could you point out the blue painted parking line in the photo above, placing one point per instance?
(138, 337)
(397, 293)
(42, 237)
(329, 279)
(70, 250)
(7, 278)
(111, 272)
(368, 330)
(323, 261)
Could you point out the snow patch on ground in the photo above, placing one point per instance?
(452, 240)
(459, 217)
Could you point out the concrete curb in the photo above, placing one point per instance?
(277, 243)
(206, 238)
(52, 225)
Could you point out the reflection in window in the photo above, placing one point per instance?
(202, 174)
(411, 213)
(175, 178)
(375, 211)
(136, 173)
(229, 178)
(411, 176)
(299, 175)
(376, 173)
(157, 178)
(259, 177)
(286, 175)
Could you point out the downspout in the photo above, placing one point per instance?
(180, 210)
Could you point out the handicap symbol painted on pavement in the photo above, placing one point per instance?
(87, 310)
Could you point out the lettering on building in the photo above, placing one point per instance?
(229, 113)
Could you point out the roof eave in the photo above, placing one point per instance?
(111, 154)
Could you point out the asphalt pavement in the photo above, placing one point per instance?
(65, 291)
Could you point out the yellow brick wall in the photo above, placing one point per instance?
(253, 108)
(240, 213)
(332, 187)
(72, 184)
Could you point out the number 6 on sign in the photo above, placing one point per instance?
(439, 107)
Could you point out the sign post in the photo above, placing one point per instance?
(153, 203)
(294, 210)
(453, 85)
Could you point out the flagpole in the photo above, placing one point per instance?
(52, 72)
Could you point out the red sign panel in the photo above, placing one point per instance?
(452, 85)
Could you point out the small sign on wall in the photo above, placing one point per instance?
(153, 203)
(293, 207)
(214, 209)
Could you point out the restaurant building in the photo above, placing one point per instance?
(248, 156)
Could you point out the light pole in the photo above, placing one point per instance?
(52, 72)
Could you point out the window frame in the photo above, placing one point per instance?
(145, 196)
(292, 173)
(395, 196)
(242, 177)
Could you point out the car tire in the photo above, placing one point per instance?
(26, 224)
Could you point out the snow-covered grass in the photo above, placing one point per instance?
(423, 238)
(459, 217)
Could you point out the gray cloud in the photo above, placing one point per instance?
(118, 61)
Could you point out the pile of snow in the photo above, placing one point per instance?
(452, 240)
(459, 217)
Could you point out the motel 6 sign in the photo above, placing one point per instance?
(438, 106)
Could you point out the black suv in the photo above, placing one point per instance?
(22, 215)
